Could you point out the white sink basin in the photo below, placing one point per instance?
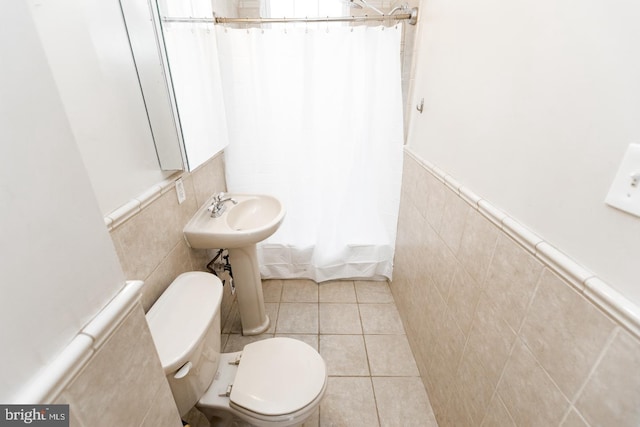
(251, 220)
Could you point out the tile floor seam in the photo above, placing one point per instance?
(366, 298)
(375, 400)
(366, 351)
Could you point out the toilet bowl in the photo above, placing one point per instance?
(274, 382)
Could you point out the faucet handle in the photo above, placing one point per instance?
(219, 196)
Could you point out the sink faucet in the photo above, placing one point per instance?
(218, 206)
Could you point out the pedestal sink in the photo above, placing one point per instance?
(246, 220)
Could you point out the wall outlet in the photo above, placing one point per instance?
(182, 196)
(624, 193)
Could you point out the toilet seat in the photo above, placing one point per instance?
(277, 377)
(291, 419)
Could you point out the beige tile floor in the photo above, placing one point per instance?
(373, 378)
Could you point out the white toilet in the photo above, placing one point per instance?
(273, 382)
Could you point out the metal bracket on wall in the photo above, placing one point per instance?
(420, 106)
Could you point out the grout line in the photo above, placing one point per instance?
(518, 338)
(275, 325)
(546, 373)
(525, 314)
(494, 395)
(505, 408)
(566, 414)
(504, 369)
(375, 399)
(596, 364)
(497, 393)
(582, 418)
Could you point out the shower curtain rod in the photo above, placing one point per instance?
(412, 17)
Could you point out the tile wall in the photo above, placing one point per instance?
(502, 335)
(149, 240)
(120, 385)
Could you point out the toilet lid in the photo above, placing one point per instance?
(278, 376)
(181, 317)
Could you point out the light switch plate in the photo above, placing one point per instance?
(182, 196)
(624, 193)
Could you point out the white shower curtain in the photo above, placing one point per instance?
(315, 118)
(195, 73)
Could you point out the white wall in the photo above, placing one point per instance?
(531, 105)
(225, 8)
(58, 264)
(88, 50)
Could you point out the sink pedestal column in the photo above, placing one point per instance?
(246, 276)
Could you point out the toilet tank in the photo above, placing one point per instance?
(185, 326)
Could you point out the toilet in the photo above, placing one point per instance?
(274, 382)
